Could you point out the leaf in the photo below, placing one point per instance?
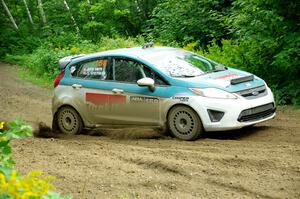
(3, 143)
(6, 171)
(6, 150)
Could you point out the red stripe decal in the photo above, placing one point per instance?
(227, 76)
(100, 99)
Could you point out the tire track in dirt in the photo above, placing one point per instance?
(155, 164)
(250, 193)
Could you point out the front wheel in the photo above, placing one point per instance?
(184, 123)
(69, 121)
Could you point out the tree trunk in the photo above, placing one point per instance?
(89, 2)
(74, 22)
(28, 12)
(9, 15)
(40, 6)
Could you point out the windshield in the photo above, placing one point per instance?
(179, 63)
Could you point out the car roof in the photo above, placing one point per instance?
(134, 52)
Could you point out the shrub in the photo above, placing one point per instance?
(228, 55)
(12, 183)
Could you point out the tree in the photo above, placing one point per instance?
(10, 15)
(189, 21)
(42, 13)
(73, 20)
(28, 12)
(269, 39)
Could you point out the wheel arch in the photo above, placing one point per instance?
(181, 104)
(54, 121)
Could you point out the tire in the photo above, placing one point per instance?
(69, 121)
(184, 123)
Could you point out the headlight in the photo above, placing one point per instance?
(213, 93)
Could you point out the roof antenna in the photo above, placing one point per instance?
(148, 45)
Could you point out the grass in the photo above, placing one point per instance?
(27, 75)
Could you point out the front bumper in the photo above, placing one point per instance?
(235, 111)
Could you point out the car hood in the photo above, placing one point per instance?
(231, 80)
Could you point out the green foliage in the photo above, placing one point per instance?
(189, 21)
(112, 17)
(228, 55)
(12, 184)
(18, 129)
(269, 43)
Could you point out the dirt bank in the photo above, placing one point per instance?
(258, 162)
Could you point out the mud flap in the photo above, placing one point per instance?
(55, 128)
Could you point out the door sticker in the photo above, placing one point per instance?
(105, 99)
(181, 98)
(139, 99)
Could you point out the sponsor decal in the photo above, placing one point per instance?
(181, 98)
(93, 71)
(247, 84)
(139, 99)
(103, 99)
(228, 76)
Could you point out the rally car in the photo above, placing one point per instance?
(157, 87)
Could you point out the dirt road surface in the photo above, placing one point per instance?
(258, 162)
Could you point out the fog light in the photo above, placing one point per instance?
(215, 116)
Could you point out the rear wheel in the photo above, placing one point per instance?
(184, 123)
(69, 121)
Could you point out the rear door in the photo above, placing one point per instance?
(92, 83)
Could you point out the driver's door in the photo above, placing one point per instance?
(142, 106)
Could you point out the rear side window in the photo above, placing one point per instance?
(96, 69)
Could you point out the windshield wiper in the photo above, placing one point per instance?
(186, 76)
(213, 71)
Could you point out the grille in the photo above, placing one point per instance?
(257, 113)
(253, 92)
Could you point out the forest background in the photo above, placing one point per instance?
(259, 36)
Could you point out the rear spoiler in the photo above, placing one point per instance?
(242, 79)
(63, 62)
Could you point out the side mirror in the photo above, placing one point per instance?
(146, 81)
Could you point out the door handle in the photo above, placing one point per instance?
(117, 91)
(76, 86)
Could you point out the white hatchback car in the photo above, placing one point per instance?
(159, 87)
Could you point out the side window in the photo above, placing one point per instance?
(131, 71)
(127, 70)
(99, 69)
(157, 79)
